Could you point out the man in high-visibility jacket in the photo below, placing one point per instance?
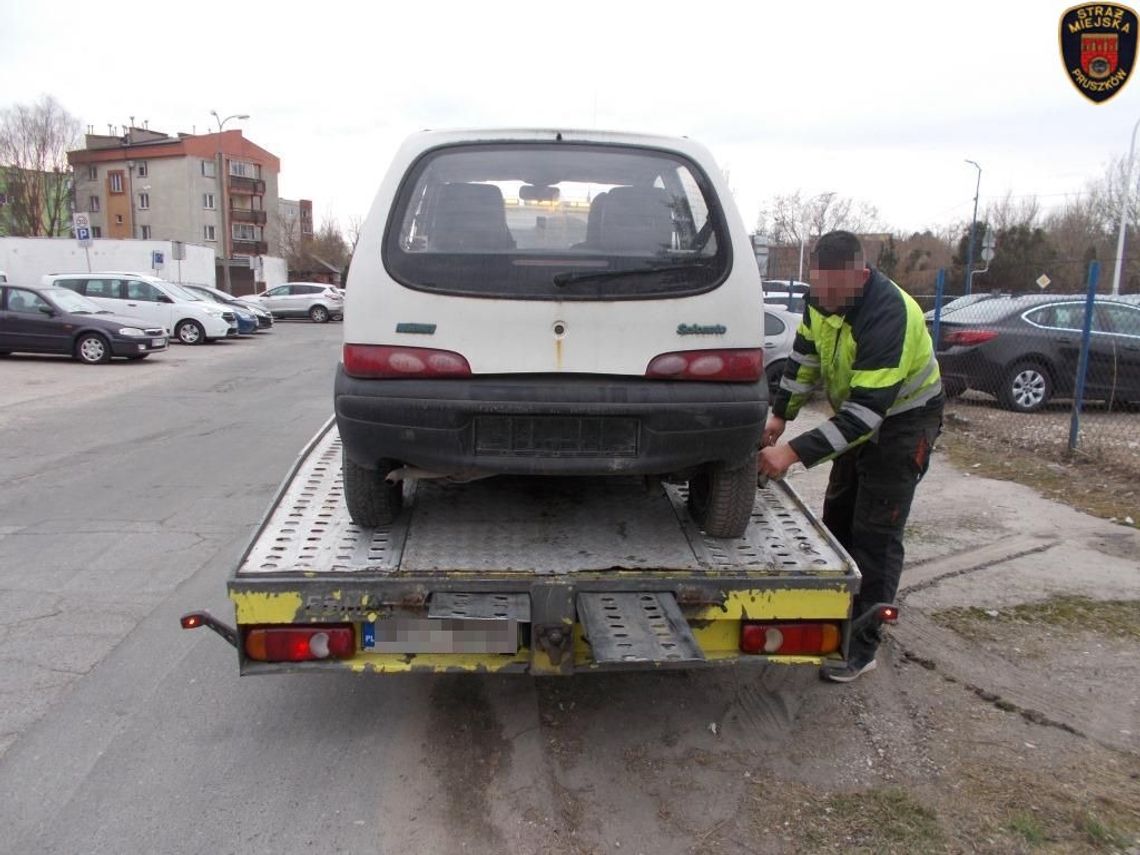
(865, 339)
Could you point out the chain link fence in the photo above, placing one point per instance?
(1014, 369)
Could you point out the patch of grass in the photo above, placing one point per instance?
(882, 820)
(1101, 834)
(1027, 826)
(1109, 492)
(1114, 618)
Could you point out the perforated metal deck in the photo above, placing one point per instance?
(541, 526)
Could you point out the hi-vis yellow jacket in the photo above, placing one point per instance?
(875, 361)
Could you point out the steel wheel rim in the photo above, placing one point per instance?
(1028, 388)
(92, 349)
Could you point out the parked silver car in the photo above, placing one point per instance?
(779, 336)
(313, 300)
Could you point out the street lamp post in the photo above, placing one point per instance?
(973, 230)
(222, 200)
(1124, 198)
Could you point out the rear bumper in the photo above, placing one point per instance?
(549, 424)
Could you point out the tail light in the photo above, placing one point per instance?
(300, 643)
(967, 337)
(787, 639)
(374, 361)
(739, 365)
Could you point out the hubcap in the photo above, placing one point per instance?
(92, 349)
(1028, 389)
(320, 315)
(188, 333)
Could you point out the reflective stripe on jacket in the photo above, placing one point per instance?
(875, 361)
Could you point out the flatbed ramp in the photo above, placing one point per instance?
(539, 575)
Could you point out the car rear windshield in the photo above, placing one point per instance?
(562, 221)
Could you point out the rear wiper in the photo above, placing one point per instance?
(586, 275)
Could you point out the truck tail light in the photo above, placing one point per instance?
(737, 365)
(300, 643)
(787, 639)
(968, 337)
(376, 361)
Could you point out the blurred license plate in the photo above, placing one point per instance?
(158, 342)
(440, 635)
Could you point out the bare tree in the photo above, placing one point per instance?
(792, 219)
(352, 231)
(34, 141)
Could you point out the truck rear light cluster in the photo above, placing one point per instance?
(787, 639)
(738, 365)
(968, 337)
(378, 361)
(300, 643)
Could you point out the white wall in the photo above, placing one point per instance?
(25, 260)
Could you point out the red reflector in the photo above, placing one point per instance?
(736, 365)
(969, 336)
(374, 361)
(298, 644)
(191, 621)
(788, 639)
(888, 614)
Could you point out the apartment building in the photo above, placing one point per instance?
(215, 189)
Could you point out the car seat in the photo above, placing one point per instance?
(470, 218)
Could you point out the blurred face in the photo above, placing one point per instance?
(837, 290)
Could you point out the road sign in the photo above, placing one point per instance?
(1043, 281)
(80, 221)
(83, 234)
(157, 259)
(987, 253)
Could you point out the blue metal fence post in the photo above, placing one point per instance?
(1083, 364)
(939, 287)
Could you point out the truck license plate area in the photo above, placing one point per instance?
(440, 635)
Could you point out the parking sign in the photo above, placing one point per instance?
(82, 225)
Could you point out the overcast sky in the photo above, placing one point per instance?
(880, 101)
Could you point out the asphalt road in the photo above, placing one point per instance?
(129, 492)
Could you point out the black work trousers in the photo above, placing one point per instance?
(868, 500)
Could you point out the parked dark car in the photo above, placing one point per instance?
(56, 320)
(1025, 350)
(250, 318)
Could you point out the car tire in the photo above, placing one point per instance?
(1027, 387)
(319, 315)
(92, 349)
(773, 373)
(721, 498)
(372, 500)
(190, 332)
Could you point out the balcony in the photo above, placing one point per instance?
(252, 247)
(247, 186)
(244, 215)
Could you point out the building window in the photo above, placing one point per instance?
(242, 231)
(118, 219)
(208, 233)
(209, 169)
(145, 232)
(93, 205)
(144, 201)
(96, 232)
(93, 173)
(142, 169)
(244, 170)
(208, 201)
(116, 182)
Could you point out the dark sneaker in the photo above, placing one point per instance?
(848, 671)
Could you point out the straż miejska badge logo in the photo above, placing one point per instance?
(1098, 47)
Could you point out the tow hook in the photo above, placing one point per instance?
(193, 620)
(554, 641)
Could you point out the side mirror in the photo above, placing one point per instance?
(48, 310)
(162, 298)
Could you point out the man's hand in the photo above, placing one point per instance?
(773, 430)
(774, 460)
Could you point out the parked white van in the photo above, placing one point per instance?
(191, 319)
(553, 303)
